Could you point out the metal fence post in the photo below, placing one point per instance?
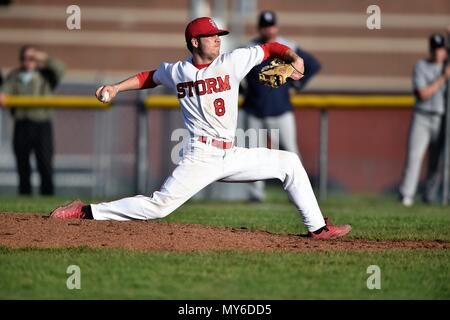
(141, 146)
(1, 128)
(446, 179)
(98, 142)
(323, 156)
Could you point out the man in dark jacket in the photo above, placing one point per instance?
(269, 108)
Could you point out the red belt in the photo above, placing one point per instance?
(217, 143)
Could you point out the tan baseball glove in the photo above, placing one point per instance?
(276, 73)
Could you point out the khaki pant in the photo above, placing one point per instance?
(287, 140)
(426, 131)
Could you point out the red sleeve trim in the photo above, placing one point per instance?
(146, 79)
(266, 51)
(274, 50)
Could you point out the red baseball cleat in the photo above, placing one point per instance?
(330, 231)
(69, 211)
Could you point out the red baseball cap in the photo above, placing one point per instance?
(203, 26)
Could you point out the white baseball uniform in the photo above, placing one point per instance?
(208, 97)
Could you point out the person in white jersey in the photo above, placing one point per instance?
(207, 85)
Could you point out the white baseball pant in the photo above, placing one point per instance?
(203, 164)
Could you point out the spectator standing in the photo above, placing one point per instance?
(37, 75)
(427, 124)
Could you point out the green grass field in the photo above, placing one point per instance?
(114, 273)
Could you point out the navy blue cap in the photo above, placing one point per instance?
(437, 40)
(267, 19)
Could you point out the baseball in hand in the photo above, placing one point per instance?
(105, 96)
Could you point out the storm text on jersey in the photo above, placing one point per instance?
(201, 87)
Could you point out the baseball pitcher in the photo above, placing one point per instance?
(207, 85)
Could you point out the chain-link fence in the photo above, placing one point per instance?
(131, 147)
(91, 152)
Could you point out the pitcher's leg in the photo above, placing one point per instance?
(261, 164)
(187, 179)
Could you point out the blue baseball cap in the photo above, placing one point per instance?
(267, 19)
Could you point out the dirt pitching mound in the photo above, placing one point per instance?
(30, 230)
